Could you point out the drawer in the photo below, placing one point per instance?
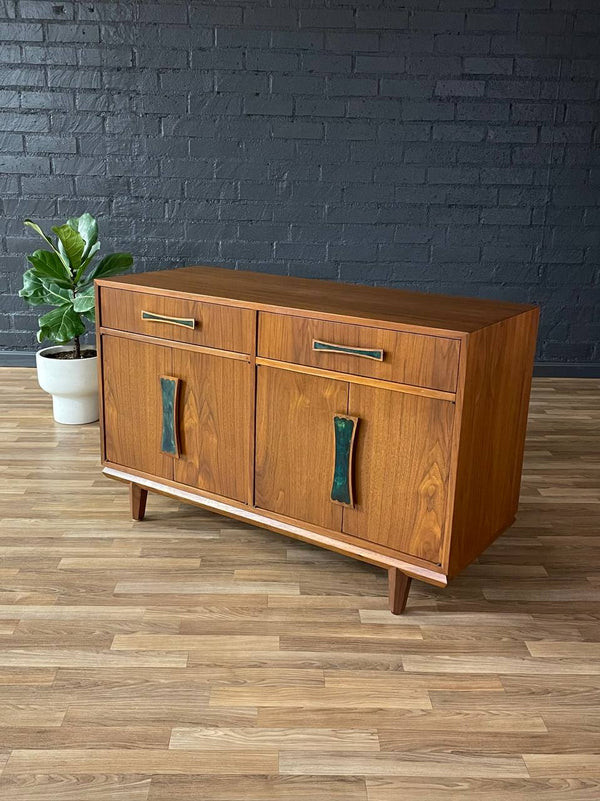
(405, 358)
(178, 319)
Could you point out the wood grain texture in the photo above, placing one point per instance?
(409, 389)
(401, 467)
(215, 409)
(132, 404)
(417, 310)
(398, 589)
(486, 690)
(424, 361)
(294, 418)
(137, 501)
(216, 326)
(493, 402)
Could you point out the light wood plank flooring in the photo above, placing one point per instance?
(192, 657)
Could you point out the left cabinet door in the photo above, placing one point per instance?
(133, 404)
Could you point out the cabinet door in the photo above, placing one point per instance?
(215, 406)
(294, 444)
(133, 419)
(402, 451)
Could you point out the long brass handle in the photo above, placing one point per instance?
(185, 322)
(169, 391)
(330, 347)
(344, 431)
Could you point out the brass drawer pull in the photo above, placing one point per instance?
(365, 353)
(184, 322)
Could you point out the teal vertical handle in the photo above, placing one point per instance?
(344, 429)
(169, 390)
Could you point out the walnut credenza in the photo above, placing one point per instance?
(382, 424)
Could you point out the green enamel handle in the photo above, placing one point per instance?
(344, 430)
(169, 392)
(330, 347)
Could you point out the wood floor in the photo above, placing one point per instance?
(190, 657)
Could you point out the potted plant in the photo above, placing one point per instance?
(63, 277)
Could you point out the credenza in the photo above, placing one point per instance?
(382, 424)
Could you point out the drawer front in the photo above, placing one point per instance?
(419, 360)
(178, 319)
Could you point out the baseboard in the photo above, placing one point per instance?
(17, 358)
(25, 358)
(567, 369)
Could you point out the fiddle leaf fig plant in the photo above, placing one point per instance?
(63, 277)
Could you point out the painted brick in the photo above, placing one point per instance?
(441, 144)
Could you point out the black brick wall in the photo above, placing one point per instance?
(445, 145)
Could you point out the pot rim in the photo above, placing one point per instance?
(43, 353)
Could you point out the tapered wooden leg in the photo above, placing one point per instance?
(399, 585)
(137, 501)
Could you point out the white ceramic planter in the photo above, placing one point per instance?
(73, 384)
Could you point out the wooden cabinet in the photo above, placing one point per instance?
(383, 424)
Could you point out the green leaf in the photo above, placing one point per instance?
(72, 242)
(37, 291)
(84, 301)
(56, 295)
(46, 239)
(93, 250)
(60, 325)
(90, 315)
(34, 289)
(48, 265)
(87, 227)
(111, 265)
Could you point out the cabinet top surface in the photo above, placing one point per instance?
(274, 292)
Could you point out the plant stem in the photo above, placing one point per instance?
(77, 348)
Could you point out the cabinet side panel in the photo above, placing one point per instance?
(100, 373)
(492, 437)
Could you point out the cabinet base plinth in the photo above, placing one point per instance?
(137, 501)
(399, 586)
(141, 483)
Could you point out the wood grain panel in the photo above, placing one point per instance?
(140, 760)
(215, 409)
(215, 325)
(289, 739)
(294, 445)
(323, 298)
(340, 651)
(493, 418)
(457, 765)
(132, 404)
(401, 460)
(424, 361)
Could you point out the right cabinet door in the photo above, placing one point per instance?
(401, 466)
